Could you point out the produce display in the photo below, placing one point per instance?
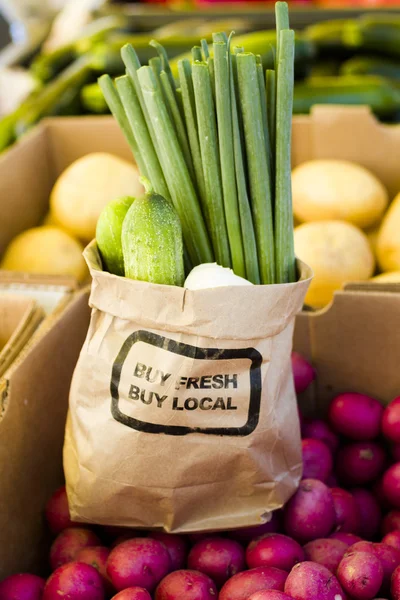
(338, 537)
(77, 199)
(347, 226)
(337, 62)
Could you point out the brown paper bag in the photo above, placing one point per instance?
(182, 406)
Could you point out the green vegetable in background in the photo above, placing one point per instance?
(152, 241)
(109, 232)
(377, 92)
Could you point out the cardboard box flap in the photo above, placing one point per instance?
(19, 317)
(354, 343)
(349, 133)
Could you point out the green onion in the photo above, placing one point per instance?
(263, 96)
(175, 170)
(164, 61)
(155, 64)
(189, 106)
(211, 165)
(257, 161)
(271, 103)
(284, 245)
(115, 105)
(137, 122)
(246, 220)
(177, 120)
(226, 151)
(197, 55)
(211, 70)
(205, 50)
(282, 22)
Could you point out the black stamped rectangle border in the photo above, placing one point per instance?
(199, 354)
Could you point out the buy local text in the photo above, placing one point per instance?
(205, 382)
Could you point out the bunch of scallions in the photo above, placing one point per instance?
(217, 144)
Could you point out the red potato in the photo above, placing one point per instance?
(391, 421)
(320, 430)
(362, 546)
(356, 416)
(317, 459)
(246, 583)
(346, 511)
(392, 539)
(310, 581)
(391, 521)
(68, 543)
(274, 550)
(219, 558)
(303, 373)
(197, 537)
(391, 485)
(348, 538)
(310, 513)
(247, 534)
(360, 463)
(23, 586)
(141, 562)
(190, 585)
(97, 556)
(369, 513)
(361, 575)
(390, 559)
(132, 593)
(57, 511)
(377, 490)
(270, 595)
(395, 584)
(326, 552)
(124, 537)
(74, 581)
(176, 545)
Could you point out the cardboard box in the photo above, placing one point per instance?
(354, 343)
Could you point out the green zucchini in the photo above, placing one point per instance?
(380, 34)
(93, 100)
(377, 92)
(108, 234)
(152, 242)
(327, 37)
(365, 65)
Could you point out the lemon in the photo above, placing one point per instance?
(45, 250)
(337, 252)
(326, 190)
(86, 187)
(388, 242)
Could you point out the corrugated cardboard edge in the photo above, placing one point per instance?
(354, 344)
(30, 316)
(32, 434)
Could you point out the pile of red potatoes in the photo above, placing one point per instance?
(338, 537)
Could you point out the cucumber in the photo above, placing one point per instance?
(93, 100)
(378, 33)
(152, 242)
(108, 234)
(365, 65)
(377, 92)
(327, 37)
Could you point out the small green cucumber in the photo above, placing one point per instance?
(152, 242)
(108, 234)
